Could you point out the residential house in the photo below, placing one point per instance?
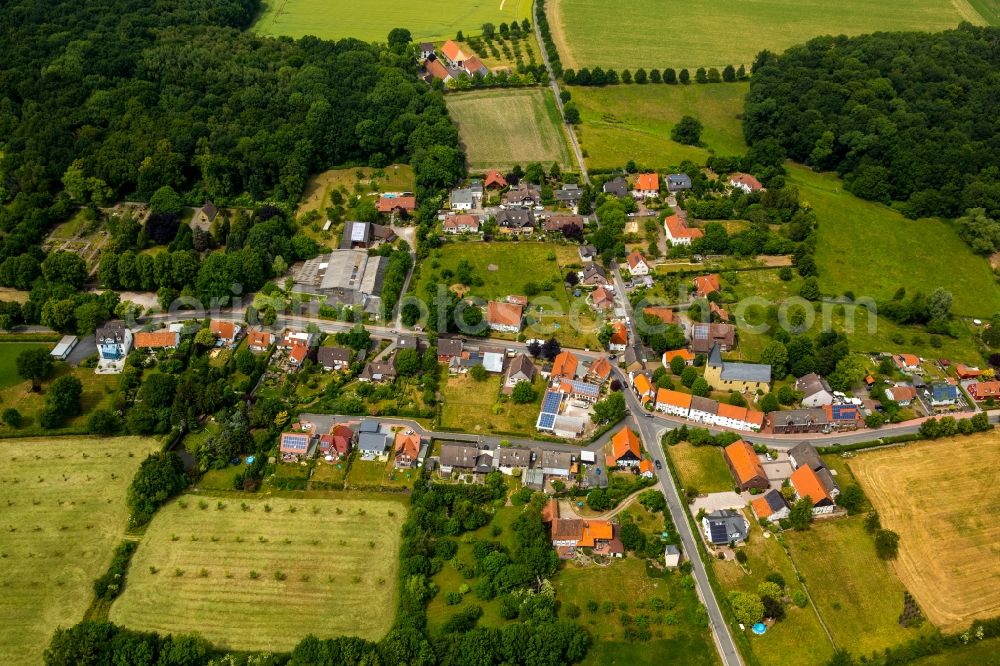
(523, 194)
(570, 534)
(725, 527)
(706, 336)
(515, 221)
(807, 483)
(673, 402)
(646, 470)
(449, 348)
(617, 186)
(564, 366)
(494, 180)
(569, 194)
(521, 369)
(906, 362)
(373, 444)
(399, 205)
(462, 199)
(943, 394)
(363, 235)
(454, 54)
(504, 317)
(204, 216)
(587, 253)
(295, 443)
(407, 342)
(580, 390)
(678, 232)
(334, 358)
(226, 332)
(625, 449)
(338, 442)
(966, 372)
(816, 392)
(461, 457)
(733, 376)
(619, 337)
(771, 506)
(427, 50)
(407, 449)
(984, 390)
(600, 370)
(643, 387)
(375, 371)
(602, 298)
(738, 418)
(678, 181)
(157, 340)
(903, 394)
(632, 361)
(703, 410)
(715, 310)
(508, 459)
(664, 314)
(461, 224)
(843, 415)
(292, 339)
(475, 67)
(647, 186)
(744, 465)
(297, 356)
(685, 354)
(796, 421)
(436, 70)
(671, 556)
(259, 341)
(593, 275)
(113, 340)
(706, 284)
(555, 463)
(745, 182)
(563, 223)
(637, 264)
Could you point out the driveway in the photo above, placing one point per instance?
(85, 348)
(717, 502)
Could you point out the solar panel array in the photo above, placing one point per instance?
(546, 420)
(549, 411)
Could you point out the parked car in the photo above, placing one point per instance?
(659, 465)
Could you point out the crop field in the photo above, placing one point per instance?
(633, 122)
(872, 250)
(501, 128)
(947, 544)
(259, 575)
(701, 33)
(64, 513)
(858, 594)
(430, 20)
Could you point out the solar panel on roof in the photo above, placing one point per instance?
(358, 231)
(551, 402)
(546, 420)
(718, 532)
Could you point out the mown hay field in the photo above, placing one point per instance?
(64, 512)
(259, 574)
(939, 496)
(428, 20)
(701, 33)
(500, 128)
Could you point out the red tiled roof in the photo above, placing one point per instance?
(635, 258)
(504, 314)
(678, 229)
(646, 466)
(408, 445)
(673, 398)
(620, 336)
(706, 284)
(473, 65)
(743, 459)
(565, 365)
(685, 354)
(966, 372)
(715, 309)
(732, 412)
(298, 353)
(155, 340)
(624, 441)
(761, 507)
(641, 384)
(807, 484)
(452, 51)
(389, 204)
(746, 179)
(647, 182)
(456, 221)
(437, 70)
(906, 360)
(666, 315)
(601, 368)
(223, 329)
(602, 298)
(984, 390)
(494, 177)
(259, 339)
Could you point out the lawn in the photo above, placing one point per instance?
(431, 20)
(947, 545)
(378, 473)
(9, 351)
(671, 33)
(64, 509)
(622, 123)
(977, 653)
(871, 250)
(326, 568)
(701, 467)
(516, 264)
(628, 589)
(798, 639)
(472, 406)
(500, 128)
(858, 595)
(98, 392)
(354, 180)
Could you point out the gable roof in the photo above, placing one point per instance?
(459, 221)
(624, 442)
(706, 405)
(601, 367)
(209, 210)
(805, 454)
(685, 354)
(983, 390)
(812, 384)
(745, 179)
(156, 340)
(330, 355)
(620, 335)
(298, 353)
(679, 229)
(901, 393)
(906, 360)
(673, 398)
(641, 384)
(407, 444)
(565, 365)
(450, 346)
(743, 459)
(635, 258)
(223, 329)
(768, 504)
(522, 364)
(453, 51)
(504, 314)
(258, 339)
(437, 70)
(601, 297)
(808, 484)
(647, 182)
(494, 178)
(617, 186)
(706, 284)
(664, 314)
(474, 66)
(389, 204)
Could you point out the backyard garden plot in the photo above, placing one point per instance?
(633, 122)
(701, 33)
(501, 128)
(430, 20)
(475, 406)
(939, 497)
(258, 575)
(63, 514)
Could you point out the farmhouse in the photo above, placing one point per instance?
(673, 402)
(334, 358)
(706, 284)
(454, 54)
(593, 275)
(741, 377)
(474, 67)
(903, 394)
(637, 264)
(494, 180)
(407, 449)
(678, 181)
(678, 232)
(602, 299)
(504, 317)
(625, 449)
(619, 337)
(461, 224)
(435, 70)
(725, 527)
(744, 465)
(806, 483)
(113, 340)
(745, 182)
(984, 390)
(508, 459)
(795, 421)
(647, 186)
(565, 365)
(706, 336)
(771, 507)
(617, 186)
(365, 235)
(259, 341)
(157, 340)
(521, 369)
(401, 205)
(816, 392)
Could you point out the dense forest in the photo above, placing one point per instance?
(911, 119)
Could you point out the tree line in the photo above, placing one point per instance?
(609, 77)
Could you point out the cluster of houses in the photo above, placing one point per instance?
(452, 63)
(570, 534)
(370, 438)
(114, 340)
(573, 389)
